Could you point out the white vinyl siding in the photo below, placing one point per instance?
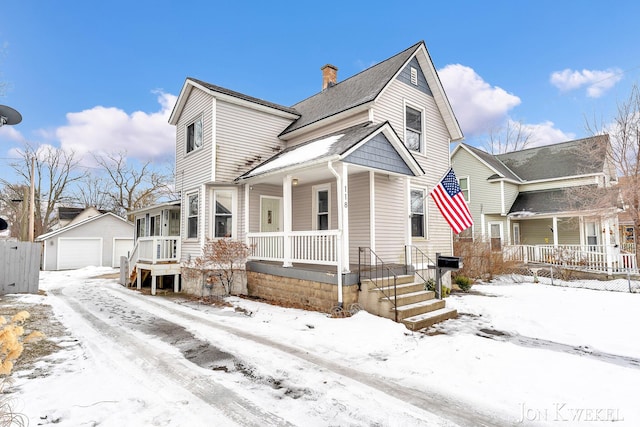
(435, 161)
(486, 195)
(359, 212)
(192, 169)
(356, 119)
(560, 183)
(244, 139)
(303, 217)
(390, 218)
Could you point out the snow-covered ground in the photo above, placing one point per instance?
(530, 354)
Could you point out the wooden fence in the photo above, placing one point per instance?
(19, 267)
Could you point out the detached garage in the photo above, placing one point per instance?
(96, 241)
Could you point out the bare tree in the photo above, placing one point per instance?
(55, 170)
(94, 191)
(132, 188)
(512, 136)
(624, 155)
(14, 208)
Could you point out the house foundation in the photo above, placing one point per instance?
(313, 289)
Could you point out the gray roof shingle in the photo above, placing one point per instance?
(571, 158)
(352, 92)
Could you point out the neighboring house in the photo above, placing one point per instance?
(157, 245)
(527, 197)
(97, 240)
(71, 215)
(336, 180)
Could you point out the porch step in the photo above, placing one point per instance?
(400, 280)
(404, 299)
(419, 308)
(425, 320)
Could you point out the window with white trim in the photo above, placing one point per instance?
(413, 129)
(322, 207)
(223, 213)
(418, 217)
(464, 187)
(194, 135)
(192, 216)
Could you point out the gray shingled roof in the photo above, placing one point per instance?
(551, 201)
(351, 137)
(244, 97)
(569, 158)
(356, 90)
(492, 161)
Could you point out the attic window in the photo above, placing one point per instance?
(414, 76)
(194, 135)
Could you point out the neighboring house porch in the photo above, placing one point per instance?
(156, 252)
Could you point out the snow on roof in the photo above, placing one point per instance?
(298, 154)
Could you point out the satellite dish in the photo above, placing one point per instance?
(3, 224)
(9, 116)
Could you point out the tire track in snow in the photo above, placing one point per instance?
(452, 410)
(235, 407)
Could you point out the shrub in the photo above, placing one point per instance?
(464, 283)
(220, 261)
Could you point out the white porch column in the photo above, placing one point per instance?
(247, 189)
(343, 215)
(608, 247)
(287, 216)
(583, 239)
(555, 230)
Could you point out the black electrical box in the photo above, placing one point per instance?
(449, 262)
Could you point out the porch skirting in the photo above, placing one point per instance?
(305, 288)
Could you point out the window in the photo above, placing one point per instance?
(414, 76)
(194, 135)
(223, 213)
(413, 133)
(322, 207)
(140, 227)
(417, 213)
(192, 216)
(154, 226)
(464, 187)
(495, 236)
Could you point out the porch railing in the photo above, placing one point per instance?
(600, 258)
(313, 247)
(383, 278)
(159, 249)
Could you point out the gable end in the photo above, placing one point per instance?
(405, 77)
(378, 153)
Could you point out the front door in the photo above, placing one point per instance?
(270, 218)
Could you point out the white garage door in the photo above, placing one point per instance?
(121, 247)
(78, 253)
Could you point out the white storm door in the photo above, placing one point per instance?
(270, 218)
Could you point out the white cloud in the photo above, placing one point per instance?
(545, 133)
(477, 105)
(597, 82)
(9, 133)
(101, 130)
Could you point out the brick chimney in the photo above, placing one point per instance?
(329, 76)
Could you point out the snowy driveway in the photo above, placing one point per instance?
(136, 360)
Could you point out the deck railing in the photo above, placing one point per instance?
(600, 258)
(313, 247)
(157, 249)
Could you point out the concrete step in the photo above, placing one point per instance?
(403, 299)
(405, 288)
(385, 281)
(425, 320)
(418, 308)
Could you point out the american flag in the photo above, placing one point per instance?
(450, 201)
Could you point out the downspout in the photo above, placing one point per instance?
(340, 219)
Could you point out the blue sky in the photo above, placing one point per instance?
(99, 77)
